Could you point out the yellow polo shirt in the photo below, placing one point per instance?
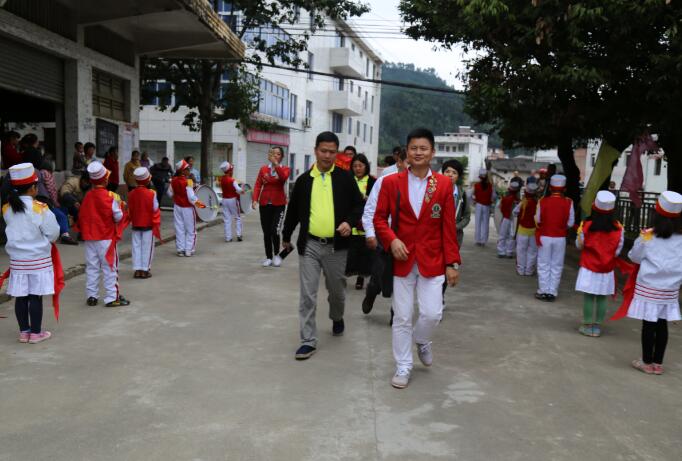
(362, 185)
(321, 204)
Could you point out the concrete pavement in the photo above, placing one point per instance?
(200, 367)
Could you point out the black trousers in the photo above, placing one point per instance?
(271, 220)
(29, 312)
(654, 341)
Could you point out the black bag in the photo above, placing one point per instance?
(387, 257)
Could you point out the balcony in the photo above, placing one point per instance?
(344, 103)
(346, 62)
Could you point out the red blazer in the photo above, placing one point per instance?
(430, 238)
(270, 189)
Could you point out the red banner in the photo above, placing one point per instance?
(267, 137)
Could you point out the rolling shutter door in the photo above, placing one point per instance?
(256, 157)
(29, 71)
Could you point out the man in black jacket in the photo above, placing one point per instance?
(325, 202)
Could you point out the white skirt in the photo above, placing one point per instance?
(643, 310)
(39, 283)
(594, 283)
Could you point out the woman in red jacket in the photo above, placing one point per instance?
(269, 194)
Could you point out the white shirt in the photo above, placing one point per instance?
(389, 170)
(30, 234)
(416, 188)
(371, 207)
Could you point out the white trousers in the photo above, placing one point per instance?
(230, 212)
(505, 240)
(550, 264)
(96, 264)
(143, 250)
(430, 299)
(482, 223)
(185, 229)
(526, 254)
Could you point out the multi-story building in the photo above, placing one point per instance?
(465, 142)
(300, 104)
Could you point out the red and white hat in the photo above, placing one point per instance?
(482, 172)
(181, 165)
(514, 186)
(669, 204)
(97, 172)
(141, 174)
(558, 181)
(22, 174)
(532, 187)
(226, 166)
(605, 202)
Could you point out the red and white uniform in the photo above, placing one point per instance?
(182, 191)
(484, 199)
(97, 218)
(554, 216)
(505, 240)
(145, 214)
(526, 248)
(598, 259)
(29, 238)
(230, 206)
(426, 225)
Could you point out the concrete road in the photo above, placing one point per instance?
(201, 367)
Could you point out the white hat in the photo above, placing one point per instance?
(141, 174)
(482, 172)
(514, 186)
(605, 201)
(532, 187)
(96, 171)
(669, 204)
(558, 180)
(181, 165)
(22, 174)
(226, 166)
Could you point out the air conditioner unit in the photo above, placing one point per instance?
(306, 122)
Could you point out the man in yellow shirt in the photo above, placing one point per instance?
(325, 202)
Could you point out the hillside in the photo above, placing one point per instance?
(403, 109)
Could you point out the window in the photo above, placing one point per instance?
(447, 148)
(593, 160)
(339, 83)
(372, 106)
(364, 132)
(658, 166)
(274, 100)
(371, 134)
(441, 147)
(108, 96)
(311, 64)
(374, 70)
(350, 125)
(364, 103)
(308, 110)
(361, 54)
(306, 162)
(154, 99)
(359, 91)
(292, 165)
(367, 68)
(340, 39)
(352, 46)
(337, 122)
(293, 103)
(357, 128)
(351, 86)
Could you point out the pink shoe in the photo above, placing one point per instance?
(643, 367)
(23, 336)
(658, 369)
(39, 337)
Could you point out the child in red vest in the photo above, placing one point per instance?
(230, 202)
(554, 216)
(182, 192)
(526, 248)
(505, 241)
(145, 217)
(98, 218)
(601, 239)
(484, 196)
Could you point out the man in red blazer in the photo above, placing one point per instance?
(423, 242)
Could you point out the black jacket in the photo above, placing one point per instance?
(348, 207)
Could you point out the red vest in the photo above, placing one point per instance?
(527, 214)
(141, 207)
(555, 211)
(484, 197)
(599, 250)
(227, 185)
(96, 217)
(507, 205)
(179, 185)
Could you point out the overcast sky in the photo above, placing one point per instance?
(384, 21)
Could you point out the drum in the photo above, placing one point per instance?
(208, 197)
(246, 199)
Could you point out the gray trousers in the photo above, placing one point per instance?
(316, 258)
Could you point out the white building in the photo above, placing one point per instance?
(654, 168)
(546, 156)
(301, 105)
(465, 142)
(70, 69)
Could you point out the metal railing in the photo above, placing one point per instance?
(635, 219)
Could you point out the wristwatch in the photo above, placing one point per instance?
(455, 266)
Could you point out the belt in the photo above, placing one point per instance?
(322, 240)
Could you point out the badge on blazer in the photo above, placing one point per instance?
(435, 211)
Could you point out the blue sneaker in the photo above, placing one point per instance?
(596, 331)
(305, 352)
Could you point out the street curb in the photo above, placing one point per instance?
(79, 269)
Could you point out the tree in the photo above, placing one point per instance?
(218, 90)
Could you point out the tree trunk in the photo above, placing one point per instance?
(672, 146)
(206, 149)
(571, 170)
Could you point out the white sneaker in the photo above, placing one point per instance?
(267, 262)
(400, 379)
(276, 261)
(425, 354)
(189, 254)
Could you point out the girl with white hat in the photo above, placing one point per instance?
(526, 248)
(484, 196)
(145, 217)
(658, 251)
(505, 241)
(181, 190)
(230, 202)
(600, 238)
(31, 228)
